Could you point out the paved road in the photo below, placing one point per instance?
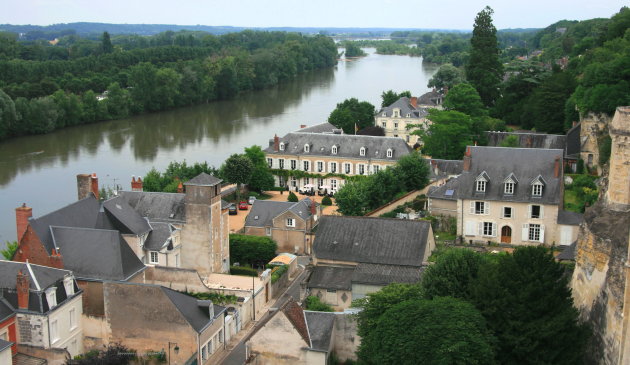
(237, 356)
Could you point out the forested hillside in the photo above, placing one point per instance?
(44, 86)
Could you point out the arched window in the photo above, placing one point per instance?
(281, 146)
(390, 153)
(306, 148)
(362, 151)
(334, 150)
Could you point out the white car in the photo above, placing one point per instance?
(251, 200)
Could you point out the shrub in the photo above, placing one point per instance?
(314, 304)
(251, 250)
(326, 201)
(216, 298)
(292, 197)
(243, 270)
(277, 272)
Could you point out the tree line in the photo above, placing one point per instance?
(39, 96)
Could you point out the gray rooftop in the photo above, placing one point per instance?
(320, 128)
(377, 274)
(5, 345)
(158, 207)
(5, 311)
(529, 139)
(263, 212)
(348, 146)
(203, 179)
(526, 164)
(125, 218)
(372, 240)
(444, 168)
(447, 191)
(568, 253)
(45, 276)
(96, 254)
(405, 109)
(431, 98)
(331, 277)
(569, 218)
(159, 236)
(320, 327)
(573, 145)
(198, 316)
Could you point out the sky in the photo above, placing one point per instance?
(438, 14)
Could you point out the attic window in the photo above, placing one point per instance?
(390, 153)
(408, 115)
(68, 284)
(509, 188)
(171, 215)
(537, 189)
(307, 148)
(384, 114)
(281, 146)
(362, 151)
(481, 186)
(51, 297)
(333, 150)
(255, 217)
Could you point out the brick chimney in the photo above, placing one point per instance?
(180, 188)
(414, 102)
(22, 286)
(556, 167)
(276, 143)
(467, 159)
(302, 126)
(136, 185)
(313, 208)
(56, 260)
(94, 184)
(22, 214)
(83, 185)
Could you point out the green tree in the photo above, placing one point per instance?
(118, 101)
(352, 197)
(9, 250)
(526, 299)
(389, 97)
(314, 304)
(547, 103)
(439, 331)
(292, 197)
(509, 141)
(452, 274)
(8, 116)
(448, 135)
(106, 43)
(446, 76)
(353, 50)
(326, 201)
(262, 178)
(484, 70)
(351, 113)
(464, 98)
(412, 171)
(237, 169)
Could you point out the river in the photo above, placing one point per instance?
(41, 170)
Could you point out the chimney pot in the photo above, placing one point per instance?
(302, 126)
(180, 188)
(22, 286)
(467, 159)
(276, 143)
(22, 214)
(94, 184)
(136, 184)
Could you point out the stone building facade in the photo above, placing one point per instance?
(397, 118)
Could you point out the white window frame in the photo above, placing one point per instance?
(361, 169)
(291, 222)
(68, 284)
(281, 146)
(281, 163)
(487, 229)
(51, 297)
(503, 215)
(537, 189)
(384, 124)
(395, 125)
(390, 153)
(347, 167)
(533, 232)
(333, 167)
(307, 148)
(376, 168)
(268, 231)
(320, 166)
(508, 189)
(333, 150)
(306, 165)
(157, 257)
(54, 331)
(333, 184)
(481, 186)
(362, 151)
(293, 164)
(72, 319)
(484, 208)
(531, 211)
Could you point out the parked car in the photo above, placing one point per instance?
(242, 205)
(232, 209)
(251, 200)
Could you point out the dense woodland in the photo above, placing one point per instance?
(44, 87)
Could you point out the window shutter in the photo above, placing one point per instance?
(525, 232)
(542, 234)
(480, 229)
(529, 211)
(486, 208)
(541, 212)
(472, 207)
(470, 228)
(494, 229)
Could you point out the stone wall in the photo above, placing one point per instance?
(52, 356)
(592, 127)
(345, 339)
(179, 279)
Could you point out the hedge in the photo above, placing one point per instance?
(251, 250)
(243, 270)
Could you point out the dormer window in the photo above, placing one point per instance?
(51, 297)
(333, 150)
(68, 284)
(481, 186)
(362, 151)
(408, 115)
(481, 182)
(390, 153)
(384, 114)
(537, 189)
(281, 146)
(509, 188)
(307, 148)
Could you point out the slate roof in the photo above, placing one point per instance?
(320, 128)
(573, 145)
(96, 254)
(45, 276)
(159, 236)
(372, 240)
(448, 191)
(569, 218)
(529, 139)
(331, 277)
(5, 345)
(267, 210)
(320, 326)
(125, 218)
(525, 163)
(5, 311)
(198, 316)
(568, 253)
(405, 108)
(203, 179)
(158, 207)
(443, 168)
(430, 98)
(83, 213)
(348, 146)
(377, 274)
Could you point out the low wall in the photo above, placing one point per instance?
(179, 279)
(53, 356)
(345, 339)
(278, 287)
(409, 197)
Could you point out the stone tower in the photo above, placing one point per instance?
(205, 232)
(618, 194)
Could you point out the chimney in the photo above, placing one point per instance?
(56, 260)
(313, 208)
(435, 167)
(94, 183)
(136, 185)
(83, 185)
(22, 286)
(302, 126)
(276, 143)
(467, 159)
(414, 102)
(556, 167)
(180, 188)
(22, 214)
